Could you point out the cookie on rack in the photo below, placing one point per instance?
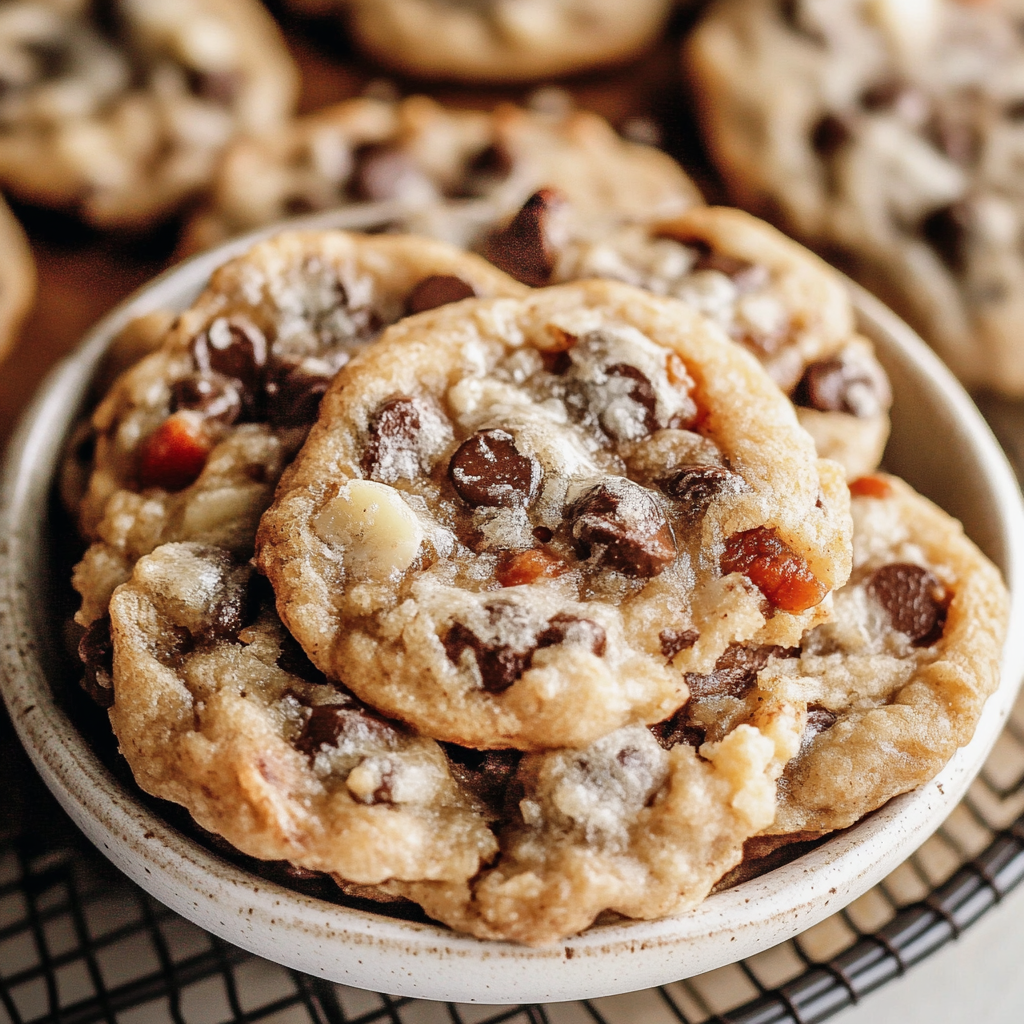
(17, 278)
(498, 40)
(512, 514)
(120, 111)
(887, 135)
(189, 443)
(218, 710)
(415, 153)
(782, 303)
(891, 686)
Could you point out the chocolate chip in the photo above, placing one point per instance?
(675, 640)
(543, 534)
(220, 87)
(619, 524)
(745, 275)
(842, 385)
(570, 629)
(438, 290)
(947, 230)
(96, 651)
(328, 724)
(233, 609)
(500, 666)
(676, 730)
(392, 452)
(735, 670)
(696, 486)
(640, 390)
(489, 470)
(212, 394)
(384, 172)
(234, 348)
(915, 600)
(527, 248)
(485, 773)
(294, 390)
(294, 660)
(819, 719)
(898, 95)
(830, 135)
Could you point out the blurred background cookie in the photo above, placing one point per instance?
(17, 278)
(119, 111)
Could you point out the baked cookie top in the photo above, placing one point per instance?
(888, 134)
(189, 443)
(120, 110)
(17, 278)
(783, 304)
(415, 153)
(218, 709)
(498, 40)
(891, 686)
(513, 515)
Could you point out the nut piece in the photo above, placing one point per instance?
(377, 531)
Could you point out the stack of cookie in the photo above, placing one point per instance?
(527, 604)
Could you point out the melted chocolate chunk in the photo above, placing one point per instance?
(294, 390)
(745, 275)
(915, 600)
(839, 385)
(640, 391)
(675, 640)
(735, 670)
(947, 231)
(488, 470)
(393, 449)
(697, 486)
(220, 87)
(619, 524)
(96, 651)
(438, 290)
(233, 609)
(384, 172)
(500, 666)
(676, 730)
(830, 135)
(236, 349)
(494, 163)
(528, 246)
(485, 773)
(819, 719)
(328, 724)
(212, 394)
(569, 629)
(294, 660)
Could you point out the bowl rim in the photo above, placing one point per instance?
(368, 950)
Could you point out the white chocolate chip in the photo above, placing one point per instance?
(378, 533)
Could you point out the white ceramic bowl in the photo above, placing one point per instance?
(939, 443)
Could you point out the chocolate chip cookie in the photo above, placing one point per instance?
(218, 709)
(775, 298)
(519, 522)
(17, 278)
(190, 442)
(888, 135)
(497, 40)
(416, 153)
(120, 110)
(891, 686)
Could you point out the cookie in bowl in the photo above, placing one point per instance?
(497, 40)
(769, 294)
(887, 136)
(119, 112)
(511, 514)
(189, 443)
(417, 153)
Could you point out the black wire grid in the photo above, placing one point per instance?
(80, 944)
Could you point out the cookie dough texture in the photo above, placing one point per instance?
(279, 762)
(416, 153)
(487, 547)
(17, 278)
(190, 442)
(121, 114)
(498, 40)
(888, 135)
(895, 683)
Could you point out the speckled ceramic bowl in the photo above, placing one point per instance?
(939, 443)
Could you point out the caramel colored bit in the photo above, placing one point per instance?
(870, 487)
(774, 568)
(173, 456)
(528, 567)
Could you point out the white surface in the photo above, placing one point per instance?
(978, 978)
